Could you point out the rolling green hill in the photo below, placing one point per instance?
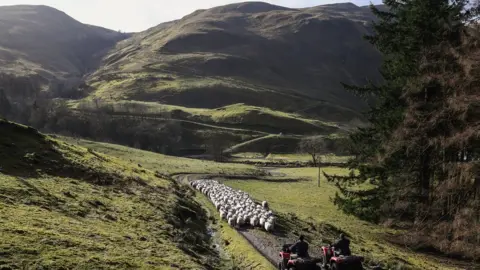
(48, 51)
(259, 120)
(242, 71)
(253, 53)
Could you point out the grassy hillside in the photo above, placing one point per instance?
(297, 213)
(167, 165)
(253, 53)
(267, 144)
(254, 70)
(253, 118)
(371, 241)
(235, 251)
(42, 48)
(45, 41)
(62, 206)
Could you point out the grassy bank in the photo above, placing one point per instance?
(238, 252)
(64, 206)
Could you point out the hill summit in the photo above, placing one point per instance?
(243, 70)
(48, 49)
(253, 53)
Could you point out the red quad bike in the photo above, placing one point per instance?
(331, 260)
(289, 261)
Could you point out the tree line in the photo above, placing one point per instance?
(98, 121)
(422, 147)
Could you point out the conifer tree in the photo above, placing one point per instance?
(403, 34)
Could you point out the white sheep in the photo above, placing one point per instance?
(223, 215)
(265, 204)
(262, 221)
(240, 221)
(268, 226)
(231, 222)
(271, 219)
(254, 221)
(236, 206)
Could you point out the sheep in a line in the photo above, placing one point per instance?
(235, 206)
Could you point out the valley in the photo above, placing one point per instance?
(266, 81)
(340, 116)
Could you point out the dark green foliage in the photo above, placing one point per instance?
(421, 145)
(4, 104)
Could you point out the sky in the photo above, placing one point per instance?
(139, 15)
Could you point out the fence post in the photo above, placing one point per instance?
(319, 171)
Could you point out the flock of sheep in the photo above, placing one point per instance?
(236, 206)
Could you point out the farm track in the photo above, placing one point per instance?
(163, 119)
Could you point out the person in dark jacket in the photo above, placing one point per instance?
(343, 244)
(300, 248)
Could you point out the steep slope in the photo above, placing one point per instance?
(253, 53)
(65, 206)
(45, 49)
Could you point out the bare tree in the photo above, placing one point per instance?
(314, 146)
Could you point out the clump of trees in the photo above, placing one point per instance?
(422, 146)
(215, 145)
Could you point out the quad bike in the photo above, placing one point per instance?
(289, 261)
(332, 260)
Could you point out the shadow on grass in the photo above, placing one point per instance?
(24, 152)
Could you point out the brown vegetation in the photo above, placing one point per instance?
(450, 182)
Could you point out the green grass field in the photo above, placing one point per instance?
(305, 199)
(258, 157)
(167, 165)
(65, 206)
(238, 251)
(310, 202)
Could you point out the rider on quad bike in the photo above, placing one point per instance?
(343, 245)
(300, 248)
(300, 260)
(338, 256)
